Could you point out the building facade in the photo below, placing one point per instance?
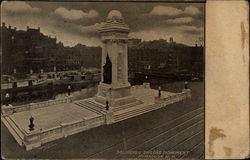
(28, 50)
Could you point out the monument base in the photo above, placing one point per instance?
(81, 115)
(116, 96)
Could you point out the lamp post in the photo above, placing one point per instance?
(159, 91)
(108, 99)
(69, 90)
(31, 71)
(186, 85)
(107, 105)
(7, 98)
(8, 82)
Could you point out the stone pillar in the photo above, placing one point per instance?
(125, 64)
(114, 64)
(104, 53)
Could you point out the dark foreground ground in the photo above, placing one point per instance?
(176, 131)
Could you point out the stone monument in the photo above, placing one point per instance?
(114, 85)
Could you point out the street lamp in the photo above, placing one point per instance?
(69, 90)
(7, 98)
(8, 82)
(159, 91)
(186, 85)
(107, 105)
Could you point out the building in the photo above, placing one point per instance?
(166, 58)
(133, 42)
(32, 50)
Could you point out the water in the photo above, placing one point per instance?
(80, 94)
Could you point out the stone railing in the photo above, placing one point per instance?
(185, 94)
(38, 137)
(143, 86)
(8, 110)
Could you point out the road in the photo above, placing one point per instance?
(176, 131)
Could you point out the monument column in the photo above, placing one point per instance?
(125, 65)
(114, 63)
(104, 54)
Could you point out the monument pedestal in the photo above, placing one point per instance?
(117, 96)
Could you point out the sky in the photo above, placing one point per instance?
(76, 22)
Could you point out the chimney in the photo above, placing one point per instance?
(39, 29)
(15, 28)
(28, 28)
(3, 24)
(9, 27)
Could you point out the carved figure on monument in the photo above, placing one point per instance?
(107, 71)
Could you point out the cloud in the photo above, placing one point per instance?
(191, 29)
(182, 34)
(182, 20)
(75, 14)
(18, 7)
(165, 10)
(192, 10)
(91, 28)
(171, 11)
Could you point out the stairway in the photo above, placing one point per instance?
(137, 102)
(14, 130)
(92, 106)
(135, 112)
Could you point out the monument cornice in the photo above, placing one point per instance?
(113, 27)
(115, 40)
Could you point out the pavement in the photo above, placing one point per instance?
(52, 116)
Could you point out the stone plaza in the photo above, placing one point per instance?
(35, 124)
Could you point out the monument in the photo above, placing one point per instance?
(114, 85)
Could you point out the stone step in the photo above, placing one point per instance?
(134, 113)
(131, 114)
(127, 105)
(96, 103)
(145, 108)
(13, 130)
(15, 127)
(95, 106)
(86, 106)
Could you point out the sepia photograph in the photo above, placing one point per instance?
(103, 80)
